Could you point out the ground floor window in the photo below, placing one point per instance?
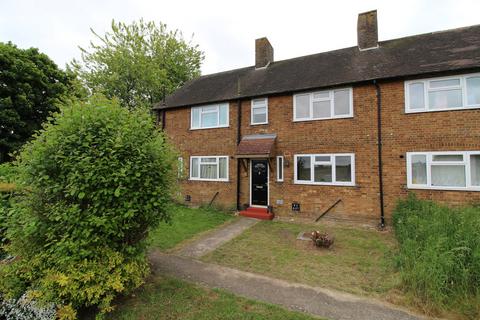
(279, 168)
(452, 170)
(209, 168)
(325, 169)
(180, 167)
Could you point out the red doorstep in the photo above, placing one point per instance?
(257, 213)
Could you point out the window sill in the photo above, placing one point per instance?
(323, 119)
(442, 110)
(209, 180)
(468, 189)
(325, 184)
(259, 124)
(193, 129)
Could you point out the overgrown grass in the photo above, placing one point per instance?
(439, 255)
(168, 298)
(185, 224)
(359, 261)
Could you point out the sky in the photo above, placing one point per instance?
(226, 30)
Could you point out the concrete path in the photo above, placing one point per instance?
(215, 239)
(316, 301)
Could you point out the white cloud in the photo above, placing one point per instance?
(226, 30)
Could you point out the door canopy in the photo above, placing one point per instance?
(256, 146)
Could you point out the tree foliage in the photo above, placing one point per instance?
(95, 180)
(30, 86)
(138, 63)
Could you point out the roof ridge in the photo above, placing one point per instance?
(345, 48)
(432, 33)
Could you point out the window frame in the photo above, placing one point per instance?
(217, 163)
(280, 178)
(252, 107)
(429, 156)
(333, 165)
(331, 98)
(180, 168)
(427, 89)
(217, 106)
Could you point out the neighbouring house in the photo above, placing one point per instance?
(346, 132)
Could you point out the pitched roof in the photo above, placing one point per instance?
(428, 53)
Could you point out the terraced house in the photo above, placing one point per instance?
(345, 132)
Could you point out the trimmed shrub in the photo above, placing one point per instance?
(439, 255)
(94, 181)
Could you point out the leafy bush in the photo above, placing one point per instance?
(7, 172)
(439, 256)
(4, 206)
(95, 180)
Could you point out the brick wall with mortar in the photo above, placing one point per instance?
(435, 131)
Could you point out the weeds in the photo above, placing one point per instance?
(439, 255)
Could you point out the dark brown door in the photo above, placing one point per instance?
(259, 182)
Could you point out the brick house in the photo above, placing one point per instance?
(345, 132)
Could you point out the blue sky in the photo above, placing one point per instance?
(226, 30)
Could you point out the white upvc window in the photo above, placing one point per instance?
(280, 168)
(445, 170)
(180, 167)
(209, 116)
(325, 169)
(440, 94)
(209, 168)
(320, 105)
(259, 111)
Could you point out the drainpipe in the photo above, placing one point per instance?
(379, 144)
(239, 136)
(163, 119)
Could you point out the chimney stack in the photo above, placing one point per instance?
(263, 53)
(367, 30)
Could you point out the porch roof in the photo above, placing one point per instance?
(256, 146)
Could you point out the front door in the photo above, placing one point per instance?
(259, 184)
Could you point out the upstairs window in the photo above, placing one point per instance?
(437, 94)
(211, 116)
(444, 170)
(209, 168)
(320, 105)
(325, 169)
(259, 111)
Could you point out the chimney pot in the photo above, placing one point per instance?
(263, 53)
(367, 30)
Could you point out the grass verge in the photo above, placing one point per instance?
(168, 298)
(358, 262)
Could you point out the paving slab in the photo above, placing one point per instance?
(316, 301)
(216, 238)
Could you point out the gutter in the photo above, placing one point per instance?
(379, 144)
(239, 136)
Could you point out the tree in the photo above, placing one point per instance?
(30, 86)
(92, 183)
(138, 63)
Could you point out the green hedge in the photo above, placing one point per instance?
(94, 181)
(439, 255)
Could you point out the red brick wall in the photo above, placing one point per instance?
(434, 131)
(428, 131)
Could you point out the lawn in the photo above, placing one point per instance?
(358, 262)
(186, 224)
(168, 298)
